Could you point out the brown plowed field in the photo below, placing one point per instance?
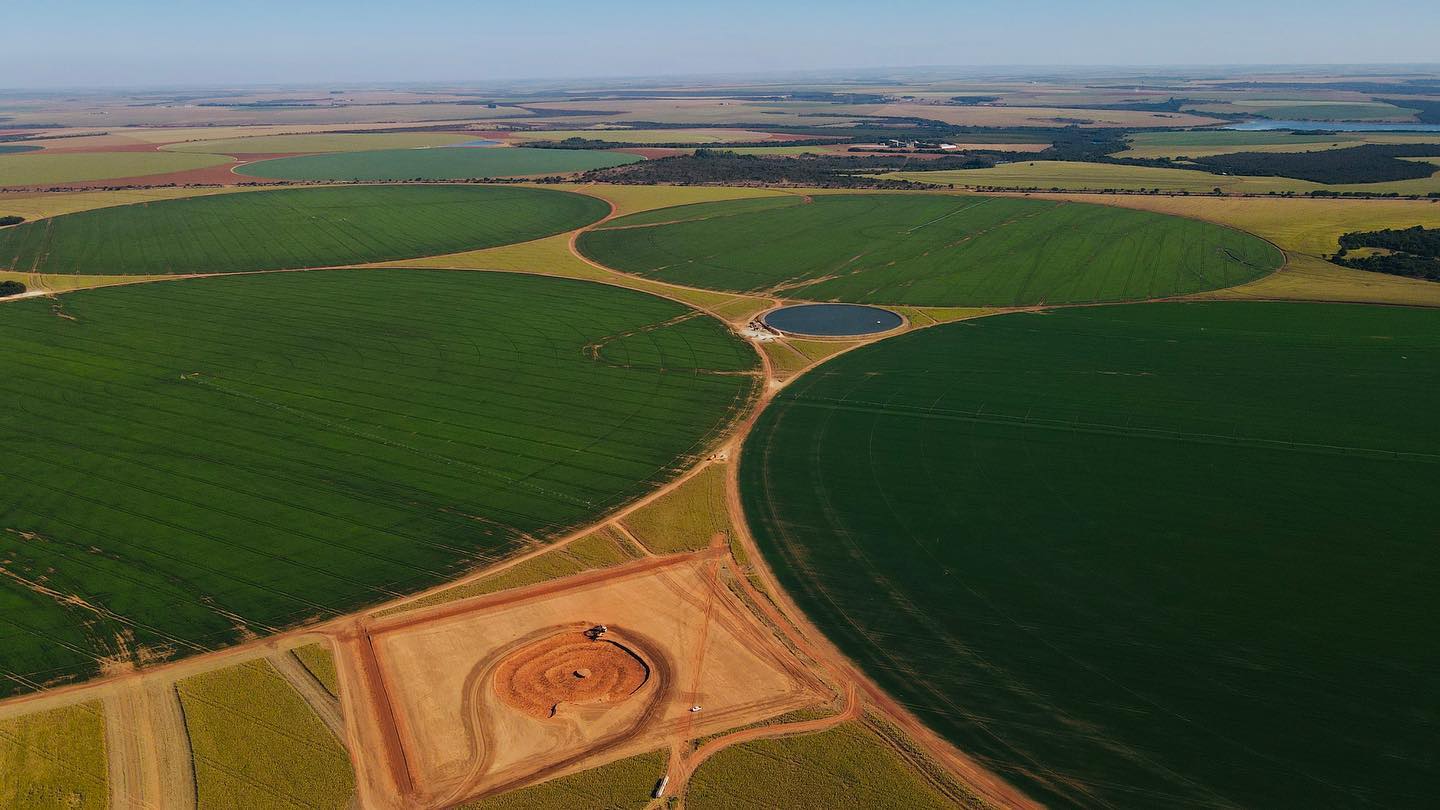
(471, 688)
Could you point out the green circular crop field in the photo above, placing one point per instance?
(189, 461)
(291, 228)
(930, 250)
(438, 163)
(1146, 555)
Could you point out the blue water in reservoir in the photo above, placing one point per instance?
(1332, 126)
(479, 142)
(832, 320)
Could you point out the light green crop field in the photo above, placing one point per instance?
(1042, 175)
(196, 460)
(255, 743)
(322, 142)
(54, 759)
(441, 163)
(1153, 554)
(686, 518)
(42, 169)
(291, 228)
(935, 250)
(845, 768)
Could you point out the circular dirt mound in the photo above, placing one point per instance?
(568, 668)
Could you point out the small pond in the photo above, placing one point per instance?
(832, 320)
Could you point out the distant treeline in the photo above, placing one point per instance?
(716, 167)
(1370, 163)
(1415, 252)
(1427, 111)
(10, 220)
(1170, 105)
(1067, 139)
(595, 144)
(782, 95)
(9, 288)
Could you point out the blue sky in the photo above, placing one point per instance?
(59, 43)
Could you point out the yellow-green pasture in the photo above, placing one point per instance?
(47, 169)
(256, 743)
(54, 759)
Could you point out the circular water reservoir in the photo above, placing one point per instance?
(832, 320)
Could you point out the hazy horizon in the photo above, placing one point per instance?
(155, 43)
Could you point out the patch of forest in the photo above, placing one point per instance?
(1370, 163)
(1413, 252)
(719, 167)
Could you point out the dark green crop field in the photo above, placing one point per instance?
(439, 163)
(1160, 555)
(292, 228)
(932, 250)
(183, 462)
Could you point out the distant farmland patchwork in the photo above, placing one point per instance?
(935, 250)
(191, 461)
(1150, 555)
(439, 163)
(42, 169)
(321, 142)
(291, 228)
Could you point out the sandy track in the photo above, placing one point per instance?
(148, 747)
(382, 777)
(326, 707)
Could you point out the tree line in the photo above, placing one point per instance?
(1413, 252)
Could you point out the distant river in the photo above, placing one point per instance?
(1333, 126)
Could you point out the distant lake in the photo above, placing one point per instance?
(480, 142)
(1333, 126)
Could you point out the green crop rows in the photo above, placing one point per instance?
(1160, 555)
(936, 250)
(440, 163)
(293, 228)
(186, 461)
